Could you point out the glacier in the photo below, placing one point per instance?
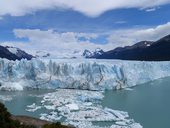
(87, 74)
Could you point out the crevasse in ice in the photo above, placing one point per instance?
(78, 73)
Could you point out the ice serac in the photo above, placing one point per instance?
(78, 73)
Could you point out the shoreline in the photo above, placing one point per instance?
(27, 120)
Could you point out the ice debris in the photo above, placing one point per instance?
(32, 108)
(81, 108)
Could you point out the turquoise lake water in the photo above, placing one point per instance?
(148, 104)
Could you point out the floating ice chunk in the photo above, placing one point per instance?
(50, 107)
(121, 123)
(33, 105)
(87, 103)
(11, 86)
(42, 101)
(43, 116)
(52, 116)
(33, 108)
(73, 107)
(133, 125)
(119, 114)
(129, 89)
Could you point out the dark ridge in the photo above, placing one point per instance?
(143, 51)
(5, 53)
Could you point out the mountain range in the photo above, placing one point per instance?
(144, 51)
(91, 54)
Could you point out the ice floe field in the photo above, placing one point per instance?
(76, 107)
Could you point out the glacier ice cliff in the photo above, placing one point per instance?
(78, 73)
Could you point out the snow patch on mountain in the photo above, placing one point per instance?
(13, 50)
(18, 53)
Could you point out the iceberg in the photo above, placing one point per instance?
(87, 74)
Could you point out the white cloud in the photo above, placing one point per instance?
(88, 7)
(132, 36)
(54, 42)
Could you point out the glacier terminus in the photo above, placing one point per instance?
(86, 74)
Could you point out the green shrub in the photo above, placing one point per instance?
(7, 122)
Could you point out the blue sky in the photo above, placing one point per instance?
(68, 26)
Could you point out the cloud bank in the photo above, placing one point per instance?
(59, 44)
(91, 8)
(65, 44)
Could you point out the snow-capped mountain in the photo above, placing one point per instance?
(87, 53)
(13, 53)
(76, 54)
(94, 54)
(98, 52)
(19, 53)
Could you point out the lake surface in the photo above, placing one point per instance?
(147, 104)
(20, 100)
